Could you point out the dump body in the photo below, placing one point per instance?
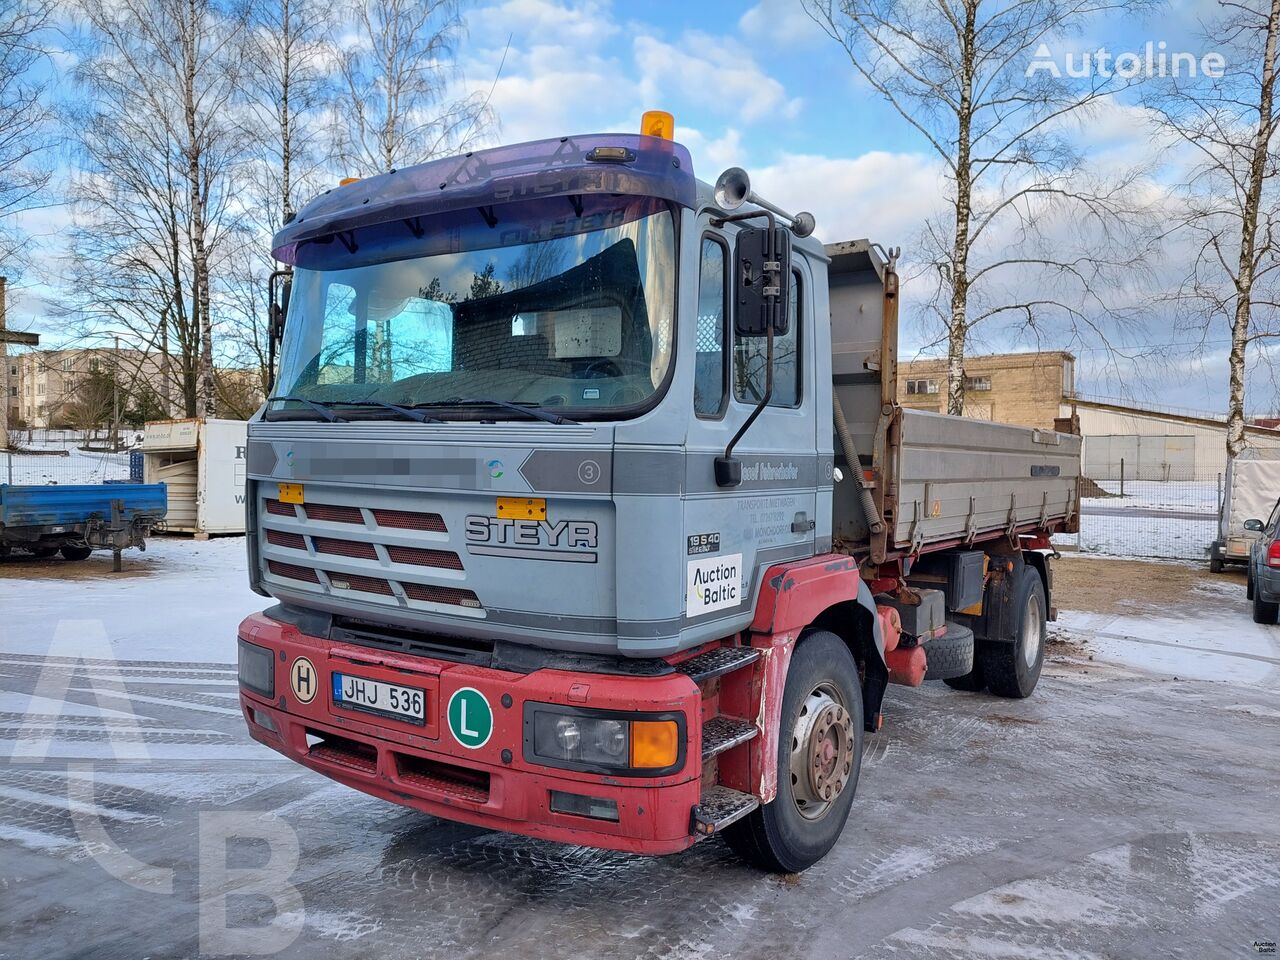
(938, 480)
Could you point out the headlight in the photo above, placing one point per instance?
(603, 741)
(257, 669)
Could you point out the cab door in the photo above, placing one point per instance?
(733, 534)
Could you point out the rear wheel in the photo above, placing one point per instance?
(1013, 668)
(1263, 612)
(76, 553)
(819, 757)
(1215, 565)
(43, 553)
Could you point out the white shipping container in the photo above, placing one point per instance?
(203, 464)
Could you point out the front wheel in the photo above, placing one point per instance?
(819, 758)
(76, 553)
(1013, 669)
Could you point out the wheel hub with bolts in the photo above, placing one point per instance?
(1031, 631)
(821, 752)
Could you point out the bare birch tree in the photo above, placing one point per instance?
(25, 118)
(178, 59)
(399, 103)
(957, 72)
(1230, 204)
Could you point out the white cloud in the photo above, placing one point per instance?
(724, 77)
(881, 195)
(779, 23)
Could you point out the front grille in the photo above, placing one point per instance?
(433, 594)
(348, 581)
(345, 548)
(409, 520)
(291, 571)
(362, 560)
(333, 513)
(293, 541)
(425, 558)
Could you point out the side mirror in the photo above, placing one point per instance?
(279, 311)
(762, 281)
(1254, 525)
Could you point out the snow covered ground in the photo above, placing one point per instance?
(1116, 813)
(1172, 520)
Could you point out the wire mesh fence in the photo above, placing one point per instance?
(67, 457)
(1173, 517)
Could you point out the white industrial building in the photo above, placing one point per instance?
(1156, 445)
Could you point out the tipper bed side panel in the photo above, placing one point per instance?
(959, 477)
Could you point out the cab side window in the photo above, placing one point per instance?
(751, 353)
(709, 375)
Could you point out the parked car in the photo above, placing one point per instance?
(1263, 584)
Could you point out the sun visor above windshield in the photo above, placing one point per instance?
(478, 184)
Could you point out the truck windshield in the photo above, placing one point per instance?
(581, 320)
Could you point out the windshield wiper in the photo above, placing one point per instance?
(532, 409)
(409, 412)
(320, 407)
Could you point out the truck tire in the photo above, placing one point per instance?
(819, 758)
(76, 553)
(1264, 612)
(1215, 565)
(1013, 668)
(43, 553)
(950, 655)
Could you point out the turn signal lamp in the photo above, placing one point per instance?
(345, 180)
(655, 744)
(658, 123)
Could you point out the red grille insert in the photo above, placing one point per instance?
(292, 571)
(293, 541)
(345, 548)
(425, 558)
(443, 778)
(348, 581)
(434, 594)
(410, 520)
(347, 753)
(281, 509)
(333, 513)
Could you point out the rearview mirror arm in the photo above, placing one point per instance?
(728, 468)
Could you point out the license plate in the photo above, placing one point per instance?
(376, 696)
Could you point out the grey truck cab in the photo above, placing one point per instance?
(469, 337)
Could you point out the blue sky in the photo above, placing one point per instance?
(758, 85)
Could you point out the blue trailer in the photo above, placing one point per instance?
(77, 519)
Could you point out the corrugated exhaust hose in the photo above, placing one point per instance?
(874, 523)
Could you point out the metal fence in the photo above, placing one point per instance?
(1173, 518)
(65, 457)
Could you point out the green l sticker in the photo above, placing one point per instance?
(470, 718)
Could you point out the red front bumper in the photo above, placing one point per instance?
(492, 785)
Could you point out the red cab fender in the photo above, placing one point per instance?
(792, 597)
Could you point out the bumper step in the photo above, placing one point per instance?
(718, 662)
(718, 807)
(723, 733)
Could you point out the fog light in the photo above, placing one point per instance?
(597, 808)
(263, 720)
(257, 669)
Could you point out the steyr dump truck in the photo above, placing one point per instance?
(590, 514)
